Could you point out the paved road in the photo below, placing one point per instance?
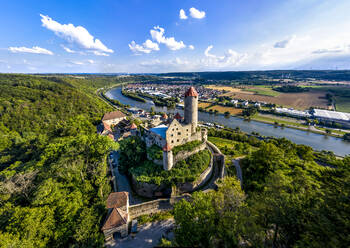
(148, 235)
(123, 182)
(238, 169)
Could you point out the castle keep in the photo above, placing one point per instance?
(177, 131)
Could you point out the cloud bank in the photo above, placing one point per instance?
(74, 34)
(35, 49)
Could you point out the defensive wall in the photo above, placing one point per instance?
(155, 206)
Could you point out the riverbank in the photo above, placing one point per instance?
(278, 122)
(316, 140)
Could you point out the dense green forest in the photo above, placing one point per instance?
(291, 197)
(53, 170)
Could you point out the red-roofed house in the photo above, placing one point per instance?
(113, 118)
(106, 129)
(116, 223)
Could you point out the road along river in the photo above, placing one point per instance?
(316, 141)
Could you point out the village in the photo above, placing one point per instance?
(212, 100)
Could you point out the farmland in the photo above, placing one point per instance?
(262, 90)
(223, 109)
(342, 104)
(304, 100)
(203, 104)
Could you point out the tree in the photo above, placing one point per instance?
(213, 219)
(132, 153)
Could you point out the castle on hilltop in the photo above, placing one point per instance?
(177, 131)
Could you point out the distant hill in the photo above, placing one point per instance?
(338, 75)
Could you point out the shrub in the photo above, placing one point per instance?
(189, 146)
(184, 171)
(155, 152)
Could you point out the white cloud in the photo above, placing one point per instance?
(195, 13)
(74, 34)
(191, 47)
(77, 62)
(68, 50)
(330, 50)
(147, 47)
(97, 53)
(35, 49)
(166, 63)
(85, 62)
(229, 59)
(206, 52)
(182, 14)
(157, 34)
(284, 43)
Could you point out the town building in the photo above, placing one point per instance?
(116, 223)
(332, 116)
(113, 118)
(293, 112)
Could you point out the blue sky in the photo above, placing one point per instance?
(173, 35)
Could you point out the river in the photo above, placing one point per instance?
(316, 141)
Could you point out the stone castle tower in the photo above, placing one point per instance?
(191, 108)
(167, 157)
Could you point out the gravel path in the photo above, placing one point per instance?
(123, 182)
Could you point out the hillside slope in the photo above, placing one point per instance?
(53, 181)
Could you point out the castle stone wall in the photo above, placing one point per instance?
(182, 155)
(155, 206)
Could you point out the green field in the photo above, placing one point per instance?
(342, 104)
(263, 90)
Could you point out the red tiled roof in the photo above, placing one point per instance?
(191, 92)
(117, 218)
(178, 116)
(117, 199)
(167, 148)
(113, 115)
(133, 126)
(107, 127)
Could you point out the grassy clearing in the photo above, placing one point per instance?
(268, 119)
(223, 109)
(231, 149)
(342, 104)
